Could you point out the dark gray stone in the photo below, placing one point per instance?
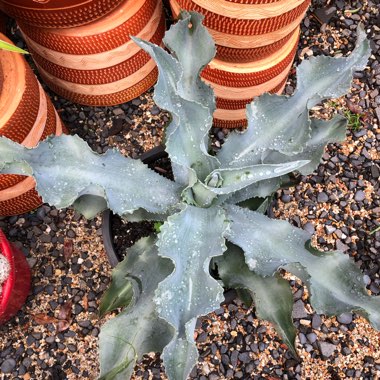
(316, 321)
(322, 197)
(312, 337)
(8, 365)
(359, 196)
(299, 310)
(327, 349)
(330, 229)
(345, 318)
(309, 227)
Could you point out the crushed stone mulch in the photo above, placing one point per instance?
(55, 335)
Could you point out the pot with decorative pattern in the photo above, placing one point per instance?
(247, 30)
(26, 116)
(236, 85)
(256, 41)
(99, 64)
(58, 13)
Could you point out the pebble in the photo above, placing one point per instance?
(118, 111)
(299, 310)
(316, 321)
(330, 229)
(327, 349)
(8, 365)
(309, 227)
(286, 198)
(322, 197)
(312, 337)
(345, 318)
(359, 196)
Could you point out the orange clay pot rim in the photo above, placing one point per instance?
(13, 87)
(246, 42)
(43, 5)
(100, 60)
(37, 130)
(59, 126)
(28, 183)
(248, 11)
(102, 89)
(257, 66)
(237, 93)
(20, 188)
(121, 14)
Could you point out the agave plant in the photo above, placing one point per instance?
(164, 284)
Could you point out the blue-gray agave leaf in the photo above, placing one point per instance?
(233, 180)
(190, 239)
(181, 92)
(337, 285)
(322, 133)
(138, 329)
(282, 123)
(272, 296)
(259, 189)
(65, 169)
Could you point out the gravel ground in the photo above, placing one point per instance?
(55, 335)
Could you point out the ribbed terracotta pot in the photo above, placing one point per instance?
(235, 85)
(26, 116)
(98, 64)
(58, 13)
(16, 288)
(247, 30)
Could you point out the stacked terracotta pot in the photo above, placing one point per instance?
(58, 13)
(26, 116)
(97, 63)
(256, 44)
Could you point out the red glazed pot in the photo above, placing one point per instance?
(58, 13)
(98, 64)
(247, 30)
(16, 288)
(26, 116)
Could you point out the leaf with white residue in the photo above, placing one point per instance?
(336, 283)
(232, 180)
(281, 123)
(188, 239)
(181, 91)
(322, 133)
(65, 169)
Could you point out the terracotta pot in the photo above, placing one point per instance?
(256, 42)
(26, 116)
(235, 85)
(247, 30)
(16, 288)
(58, 13)
(98, 64)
